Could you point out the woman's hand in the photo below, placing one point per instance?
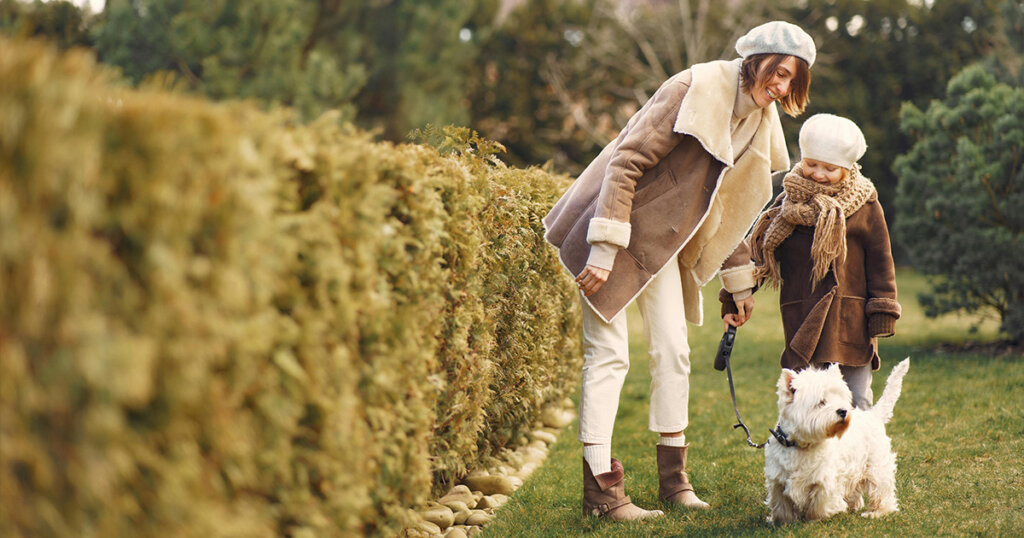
(591, 279)
(745, 308)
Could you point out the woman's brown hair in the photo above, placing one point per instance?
(796, 100)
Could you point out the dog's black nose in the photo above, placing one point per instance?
(841, 413)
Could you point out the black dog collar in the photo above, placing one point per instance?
(781, 436)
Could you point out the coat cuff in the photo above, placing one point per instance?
(740, 295)
(737, 279)
(882, 305)
(881, 325)
(603, 255)
(603, 230)
(728, 304)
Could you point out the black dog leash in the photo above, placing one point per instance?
(722, 363)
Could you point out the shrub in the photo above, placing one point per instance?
(218, 321)
(961, 198)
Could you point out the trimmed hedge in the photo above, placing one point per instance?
(217, 321)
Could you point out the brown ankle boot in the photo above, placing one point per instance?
(673, 484)
(605, 496)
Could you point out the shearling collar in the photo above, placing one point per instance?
(703, 108)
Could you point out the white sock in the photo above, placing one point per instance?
(672, 441)
(599, 457)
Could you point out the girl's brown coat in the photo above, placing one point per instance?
(840, 319)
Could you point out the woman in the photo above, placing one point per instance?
(656, 215)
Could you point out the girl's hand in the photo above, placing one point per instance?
(591, 279)
(745, 308)
(731, 319)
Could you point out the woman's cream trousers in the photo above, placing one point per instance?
(606, 361)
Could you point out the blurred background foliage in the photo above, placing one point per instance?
(551, 80)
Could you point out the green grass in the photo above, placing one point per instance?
(958, 432)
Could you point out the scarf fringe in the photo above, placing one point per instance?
(808, 203)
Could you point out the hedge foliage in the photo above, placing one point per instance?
(216, 321)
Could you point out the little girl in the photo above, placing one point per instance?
(825, 243)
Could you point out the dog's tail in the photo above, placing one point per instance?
(883, 408)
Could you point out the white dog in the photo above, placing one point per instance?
(827, 455)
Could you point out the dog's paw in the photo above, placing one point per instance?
(781, 518)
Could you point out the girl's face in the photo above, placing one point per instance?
(775, 85)
(823, 172)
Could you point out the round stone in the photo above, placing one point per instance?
(440, 515)
(455, 532)
(527, 469)
(424, 528)
(461, 517)
(461, 494)
(534, 454)
(489, 485)
(554, 417)
(478, 518)
(541, 435)
(457, 506)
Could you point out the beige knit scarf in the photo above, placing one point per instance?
(809, 203)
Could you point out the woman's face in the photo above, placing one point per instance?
(774, 85)
(823, 172)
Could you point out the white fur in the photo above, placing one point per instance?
(609, 231)
(737, 279)
(830, 470)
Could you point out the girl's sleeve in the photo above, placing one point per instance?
(737, 276)
(737, 272)
(882, 308)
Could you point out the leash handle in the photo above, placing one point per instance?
(724, 352)
(725, 349)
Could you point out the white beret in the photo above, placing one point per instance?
(832, 139)
(777, 37)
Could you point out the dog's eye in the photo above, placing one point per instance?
(821, 403)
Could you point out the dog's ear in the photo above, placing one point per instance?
(834, 368)
(786, 390)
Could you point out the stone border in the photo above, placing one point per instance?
(467, 507)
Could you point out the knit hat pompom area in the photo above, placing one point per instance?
(832, 139)
(778, 37)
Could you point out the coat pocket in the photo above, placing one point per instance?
(853, 323)
(663, 181)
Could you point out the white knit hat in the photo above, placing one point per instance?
(777, 37)
(832, 139)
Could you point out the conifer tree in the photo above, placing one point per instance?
(961, 198)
